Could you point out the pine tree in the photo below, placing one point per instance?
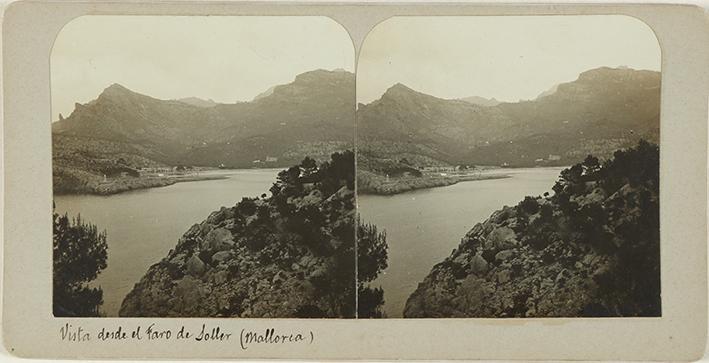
(80, 253)
(371, 261)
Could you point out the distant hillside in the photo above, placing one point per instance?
(481, 101)
(603, 110)
(196, 101)
(314, 115)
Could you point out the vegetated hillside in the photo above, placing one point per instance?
(84, 164)
(288, 255)
(316, 108)
(591, 249)
(603, 110)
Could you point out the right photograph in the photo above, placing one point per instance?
(508, 167)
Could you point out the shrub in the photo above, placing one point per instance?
(529, 205)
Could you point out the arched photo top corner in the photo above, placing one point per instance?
(336, 33)
(74, 20)
(378, 26)
(644, 24)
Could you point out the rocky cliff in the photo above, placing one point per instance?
(287, 255)
(591, 249)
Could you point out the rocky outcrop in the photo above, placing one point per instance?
(493, 274)
(592, 249)
(288, 255)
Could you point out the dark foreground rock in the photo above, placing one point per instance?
(288, 255)
(591, 249)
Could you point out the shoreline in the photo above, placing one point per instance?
(368, 183)
(123, 185)
(92, 184)
(409, 184)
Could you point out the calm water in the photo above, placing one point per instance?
(424, 226)
(142, 226)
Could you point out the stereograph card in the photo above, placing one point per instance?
(355, 181)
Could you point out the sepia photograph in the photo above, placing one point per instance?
(203, 167)
(509, 166)
(351, 181)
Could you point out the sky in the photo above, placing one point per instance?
(505, 57)
(227, 59)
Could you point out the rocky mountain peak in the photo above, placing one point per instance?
(116, 93)
(116, 89)
(401, 91)
(309, 86)
(400, 87)
(308, 82)
(601, 78)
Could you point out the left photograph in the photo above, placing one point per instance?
(203, 167)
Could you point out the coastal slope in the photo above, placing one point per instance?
(284, 256)
(590, 249)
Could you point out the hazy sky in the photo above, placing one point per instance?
(227, 59)
(509, 58)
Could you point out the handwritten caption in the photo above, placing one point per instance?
(154, 333)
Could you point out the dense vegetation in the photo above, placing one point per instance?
(590, 249)
(326, 229)
(79, 256)
(626, 225)
(290, 254)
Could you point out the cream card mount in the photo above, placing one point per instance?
(354, 181)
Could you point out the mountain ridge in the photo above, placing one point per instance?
(125, 130)
(604, 109)
(176, 127)
(616, 106)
